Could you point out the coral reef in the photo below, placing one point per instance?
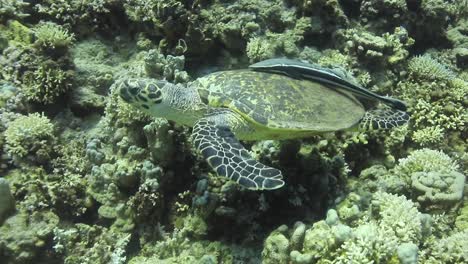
(7, 202)
(30, 135)
(86, 178)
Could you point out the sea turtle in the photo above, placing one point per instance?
(227, 106)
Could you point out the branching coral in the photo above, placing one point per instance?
(82, 243)
(83, 13)
(436, 97)
(451, 249)
(46, 83)
(389, 224)
(426, 160)
(12, 9)
(426, 68)
(30, 135)
(50, 36)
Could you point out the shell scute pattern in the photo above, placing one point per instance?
(280, 102)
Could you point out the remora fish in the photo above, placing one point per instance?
(300, 70)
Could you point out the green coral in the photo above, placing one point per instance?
(426, 68)
(7, 202)
(46, 83)
(426, 160)
(450, 249)
(51, 36)
(75, 13)
(277, 44)
(82, 243)
(25, 236)
(12, 9)
(428, 136)
(16, 34)
(30, 135)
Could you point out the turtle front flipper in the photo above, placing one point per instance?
(383, 118)
(229, 158)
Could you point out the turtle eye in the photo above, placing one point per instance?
(154, 93)
(127, 91)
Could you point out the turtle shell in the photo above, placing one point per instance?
(279, 102)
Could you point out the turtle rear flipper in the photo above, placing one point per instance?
(383, 118)
(225, 154)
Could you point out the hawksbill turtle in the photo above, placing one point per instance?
(227, 106)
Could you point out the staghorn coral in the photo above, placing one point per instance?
(450, 249)
(43, 72)
(428, 136)
(435, 95)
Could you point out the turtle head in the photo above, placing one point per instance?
(157, 97)
(148, 95)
